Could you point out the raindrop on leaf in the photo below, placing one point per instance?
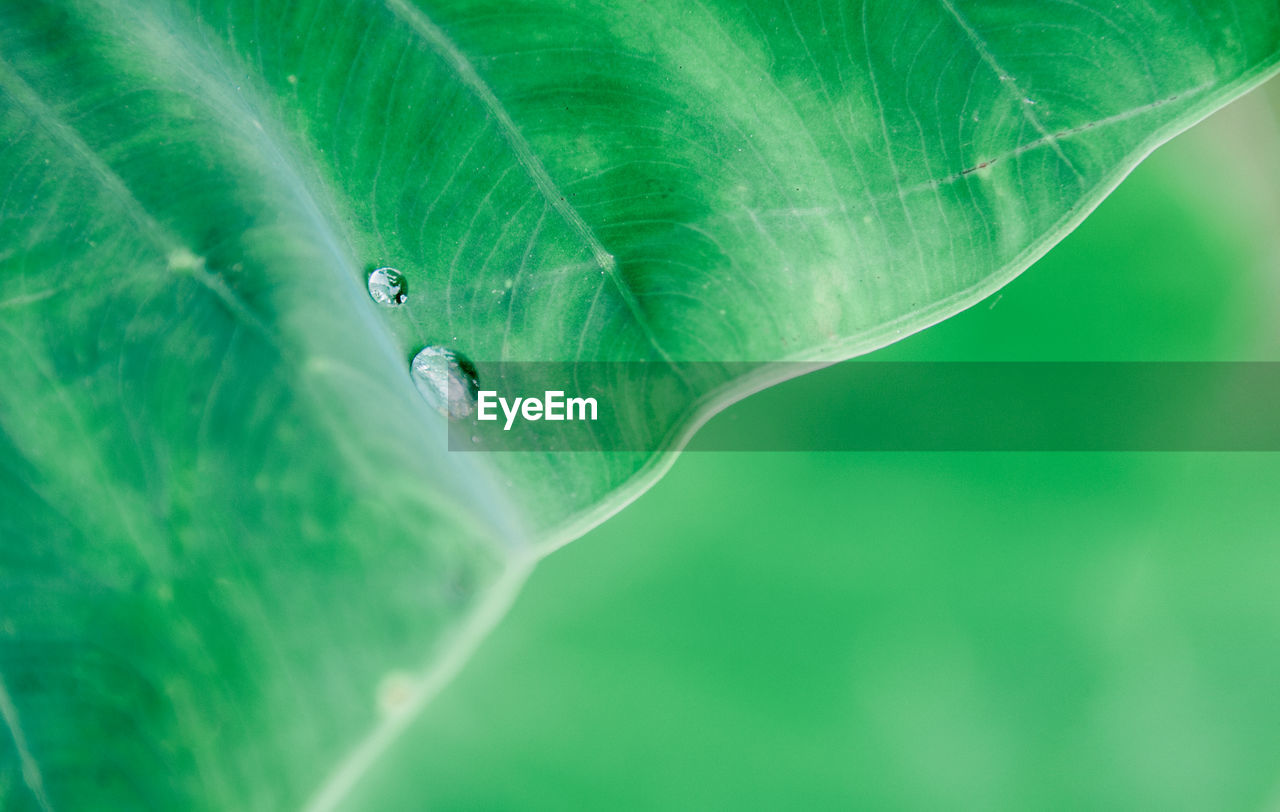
(387, 287)
(447, 380)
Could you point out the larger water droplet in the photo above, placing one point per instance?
(387, 287)
(447, 380)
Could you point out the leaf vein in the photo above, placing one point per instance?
(1006, 79)
(30, 769)
(445, 48)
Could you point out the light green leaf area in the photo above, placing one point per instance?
(235, 554)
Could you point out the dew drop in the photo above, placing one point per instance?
(387, 287)
(447, 380)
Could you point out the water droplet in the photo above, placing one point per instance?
(387, 287)
(447, 380)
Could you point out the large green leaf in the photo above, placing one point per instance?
(236, 554)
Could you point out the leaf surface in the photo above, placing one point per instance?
(236, 554)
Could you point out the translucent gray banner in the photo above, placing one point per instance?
(861, 406)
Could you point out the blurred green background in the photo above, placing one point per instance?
(928, 631)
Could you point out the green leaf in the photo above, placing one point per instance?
(236, 554)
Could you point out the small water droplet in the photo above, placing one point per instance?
(447, 380)
(387, 287)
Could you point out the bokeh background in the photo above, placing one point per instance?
(928, 630)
